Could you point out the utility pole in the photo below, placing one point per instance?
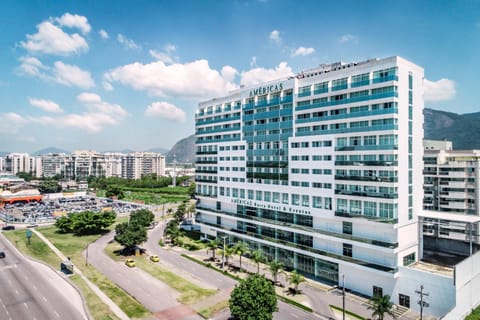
(174, 173)
(422, 302)
(343, 296)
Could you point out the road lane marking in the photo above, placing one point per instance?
(16, 291)
(58, 316)
(26, 305)
(34, 287)
(294, 315)
(44, 299)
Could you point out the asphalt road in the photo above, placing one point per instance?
(30, 290)
(212, 278)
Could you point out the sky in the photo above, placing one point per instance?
(113, 75)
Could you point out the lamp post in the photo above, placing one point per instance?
(343, 296)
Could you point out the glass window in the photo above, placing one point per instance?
(347, 227)
(295, 199)
(347, 250)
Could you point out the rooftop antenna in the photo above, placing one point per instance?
(174, 167)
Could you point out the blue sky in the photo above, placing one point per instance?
(111, 75)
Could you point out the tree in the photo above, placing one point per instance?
(27, 176)
(253, 298)
(173, 232)
(180, 213)
(275, 267)
(191, 189)
(228, 252)
(213, 246)
(86, 222)
(64, 224)
(130, 234)
(257, 257)
(241, 249)
(114, 191)
(143, 216)
(296, 279)
(49, 186)
(381, 305)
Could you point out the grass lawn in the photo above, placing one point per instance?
(189, 292)
(207, 313)
(36, 249)
(98, 309)
(475, 315)
(72, 246)
(153, 198)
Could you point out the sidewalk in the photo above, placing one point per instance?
(115, 309)
(320, 296)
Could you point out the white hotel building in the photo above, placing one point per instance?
(323, 171)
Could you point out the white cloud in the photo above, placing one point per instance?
(191, 80)
(103, 34)
(275, 36)
(45, 105)
(347, 38)
(65, 74)
(11, 122)
(128, 43)
(302, 51)
(170, 48)
(165, 110)
(74, 21)
(51, 39)
(167, 55)
(441, 90)
(259, 75)
(107, 86)
(98, 114)
(253, 62)
(31, 66)
(161, 56)
(94, 104)
(26, 139)
(72, 76)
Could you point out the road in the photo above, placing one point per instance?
(209, 277)
(30, 290)
(142, 286)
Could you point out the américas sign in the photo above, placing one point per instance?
(266, 89)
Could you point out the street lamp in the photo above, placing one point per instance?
(343, 291)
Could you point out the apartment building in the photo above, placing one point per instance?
(451, 197)
(138, 164)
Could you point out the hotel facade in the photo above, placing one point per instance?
(321, 171)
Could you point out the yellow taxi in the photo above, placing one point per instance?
(130, 263)
(154, 258)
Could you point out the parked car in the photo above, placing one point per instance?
(8, 228)
(2, 254)
(130, 263)
(154, 258)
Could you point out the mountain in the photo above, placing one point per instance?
(462, 129)
(49, 150)
(184, 150)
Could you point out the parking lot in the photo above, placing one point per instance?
(49, 210)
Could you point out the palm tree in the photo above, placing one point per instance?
(257, 257)
(241, 249)
(275, 267)
(212, 246)
(228, 252)
(295, 279)
(381, 305)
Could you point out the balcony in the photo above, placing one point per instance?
(367, 178)
(367, 163)
(347, 214)
(205, 180)
(367, 194)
